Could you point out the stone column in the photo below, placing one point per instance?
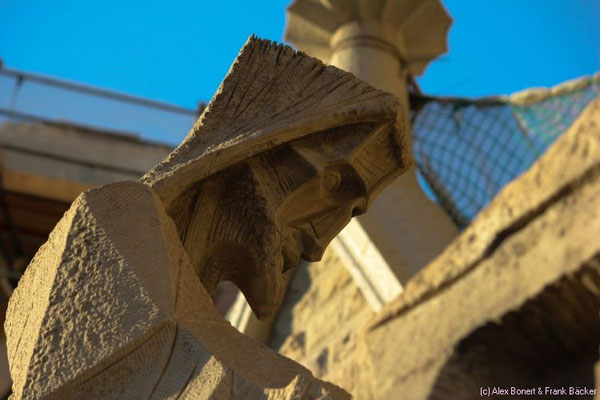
(382, 42)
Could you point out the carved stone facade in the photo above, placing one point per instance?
(514, 301)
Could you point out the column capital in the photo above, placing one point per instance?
(414, 31)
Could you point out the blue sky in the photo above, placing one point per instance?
(179, 53)
(502, 46)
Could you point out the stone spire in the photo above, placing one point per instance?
(383, 42)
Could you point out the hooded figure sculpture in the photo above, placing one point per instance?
(116, 305)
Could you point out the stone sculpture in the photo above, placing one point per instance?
(116, 305)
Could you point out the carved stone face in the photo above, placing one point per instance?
(252, 222)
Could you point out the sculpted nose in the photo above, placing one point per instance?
(319, 232)
(330, 224)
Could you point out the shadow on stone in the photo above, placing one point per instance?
(299, 285)
(551, 341)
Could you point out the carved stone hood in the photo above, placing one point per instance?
(271, 95)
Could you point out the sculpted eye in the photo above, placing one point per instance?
(331, 181)
(341, 183)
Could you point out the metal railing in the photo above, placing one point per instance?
(27, 96)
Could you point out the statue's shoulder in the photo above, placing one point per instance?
(110, 194)
(93, 291)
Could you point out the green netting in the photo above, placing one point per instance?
(467, 150)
